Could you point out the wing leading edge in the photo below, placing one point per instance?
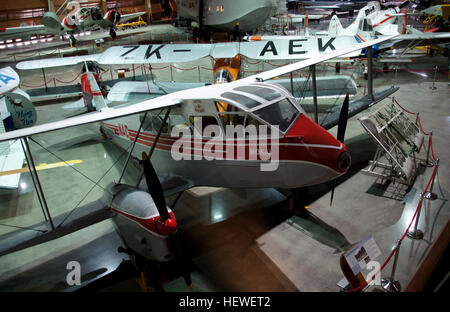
(177, 97)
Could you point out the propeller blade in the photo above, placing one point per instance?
(342, 123)
(332, 192)
(154, 187)
(342, 126)
(401, 6)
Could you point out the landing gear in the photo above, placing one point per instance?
(112, 33)
(298, 203)
(72, 41)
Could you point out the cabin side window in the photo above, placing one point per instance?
(200, 123)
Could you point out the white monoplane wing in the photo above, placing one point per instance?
(9, 80)
(276, 49)
(207, 92)
(127, 17)
(57, 62)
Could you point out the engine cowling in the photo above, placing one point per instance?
(69, 22)
(51, 20)
(113, 16)
(22, 110)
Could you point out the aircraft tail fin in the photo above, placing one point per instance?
(402, 21)
(335, 27)
(306, 24)
(97, 96)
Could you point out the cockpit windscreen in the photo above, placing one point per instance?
(281, 114)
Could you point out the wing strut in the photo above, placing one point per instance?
(155, 143)
(36, 182)
(132, 147)
(369, 73)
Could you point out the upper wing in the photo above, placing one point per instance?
(275, 49)
(207, 92)
(56, 62)
(127, 17)
(276, 72)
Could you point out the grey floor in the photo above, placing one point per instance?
(256, 244)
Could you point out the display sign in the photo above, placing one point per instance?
(358, 257)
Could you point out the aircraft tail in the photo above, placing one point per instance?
(97, 96)
(335, 27)
(402, 21)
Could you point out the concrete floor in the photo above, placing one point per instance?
(256, 244)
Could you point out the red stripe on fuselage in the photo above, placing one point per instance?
(386, 19)
(306, 141)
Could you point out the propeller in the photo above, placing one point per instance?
(155, 188)
(156, 191)
(342, 126)
(401, 6)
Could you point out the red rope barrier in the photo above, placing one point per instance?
(153, 68)
(188, 69)
(401, 239)
(205, 68)
(247, 61)
(64, 82)
(35, 87)
(420, 125)
(275, 65)
(404, 108)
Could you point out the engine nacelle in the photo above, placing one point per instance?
(69, 23)
(138, 223)
(22, 110)
(113, 16)
(51, 20)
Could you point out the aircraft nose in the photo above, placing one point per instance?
(167, 226)
(323, 148)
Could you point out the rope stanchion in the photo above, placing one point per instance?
(401, 239)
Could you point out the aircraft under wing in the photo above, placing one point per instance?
(7, 33)
(276, 72)
(127, 17)
(56, 62)
(277, 49)
(420, 38)
(40, 233)
(355, 106)
(209, 92)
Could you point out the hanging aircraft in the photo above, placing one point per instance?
(373, 21)
(16, 111)
(78, 20)
(227, 16)
(335, 6)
